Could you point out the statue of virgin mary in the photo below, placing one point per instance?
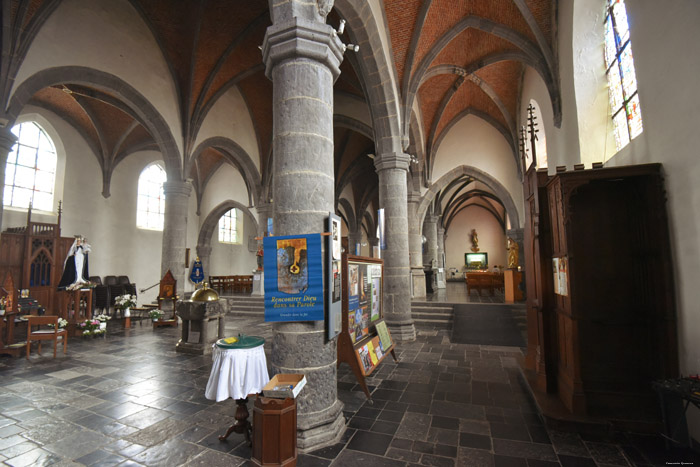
(75, 268)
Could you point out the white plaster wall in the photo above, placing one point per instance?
(473, 142)
(492, 239)
(597, 141)
(563, 148)
(226, 183)
(670, 103)
(227, 259)
(230, 117)
(107, 35)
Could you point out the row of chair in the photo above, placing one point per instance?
(231, 284)
(110, 288)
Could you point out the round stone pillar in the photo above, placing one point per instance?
(177, 196)
(353, 239)
(415, 246)
(264, 212)
(431, 242)
(7, 141)
(373, 241)
(392, 169)
(440, 246)
(204, 255)
(302, 58)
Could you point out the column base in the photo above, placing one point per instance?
(258, 283)
(418, 283)
(402, 332)
(316, 436)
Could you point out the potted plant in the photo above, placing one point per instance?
(124, 302)
(155, 315)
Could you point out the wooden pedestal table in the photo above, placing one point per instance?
(512, 285)
(239, 369)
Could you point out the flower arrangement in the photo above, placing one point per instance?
(62, 323)
(91, 327)
(102, 318)
(122, 302)
(155, 315)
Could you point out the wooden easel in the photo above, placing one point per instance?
(361, 354)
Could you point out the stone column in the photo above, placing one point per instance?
(373, 241)
(177, 196)
(302, 58)
(440, 246)
(415, 246)
(204, 254)
(431, 243)
(264, 212)
(392, 169)
(353, 239)
(7, 141)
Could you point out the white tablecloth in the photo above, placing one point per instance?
(237, 373)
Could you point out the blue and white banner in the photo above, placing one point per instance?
(293, 278)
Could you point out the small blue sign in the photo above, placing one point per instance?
(197, 274)
(293, 278)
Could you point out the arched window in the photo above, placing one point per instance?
(229, 227)
(622, 80)
(151, 199)
(30, 173)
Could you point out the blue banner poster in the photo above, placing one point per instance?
(293, 278)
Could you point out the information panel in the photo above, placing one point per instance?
(293, 278)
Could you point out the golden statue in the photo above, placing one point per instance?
(512, 253)
(475, 241)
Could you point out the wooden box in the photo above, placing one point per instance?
(274, 432)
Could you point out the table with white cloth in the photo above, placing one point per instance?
(239, 369)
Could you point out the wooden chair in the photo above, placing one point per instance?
(35, 332)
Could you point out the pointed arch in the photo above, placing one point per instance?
(211, 222)
(494, 185)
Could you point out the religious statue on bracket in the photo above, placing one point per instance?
(512, 253)
(475, 241)
(75, 268)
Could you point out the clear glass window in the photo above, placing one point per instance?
(151, 198)
(229, 227)
(30, 173)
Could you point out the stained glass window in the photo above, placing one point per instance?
(622, 80)
(150, 207)
(30, 172)
(228, 227)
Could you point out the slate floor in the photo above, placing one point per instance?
(131, 400)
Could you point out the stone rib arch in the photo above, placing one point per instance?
(349, 212)
(378, 82)
(144, 111)
(530, 50)
(494, 185)
(211, 222)
(238, 157)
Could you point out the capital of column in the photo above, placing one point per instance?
(301, 38)
(441, 231)
(203, 251)
(177, 188)
(413, 197)
(7, 140)
(394, 160)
